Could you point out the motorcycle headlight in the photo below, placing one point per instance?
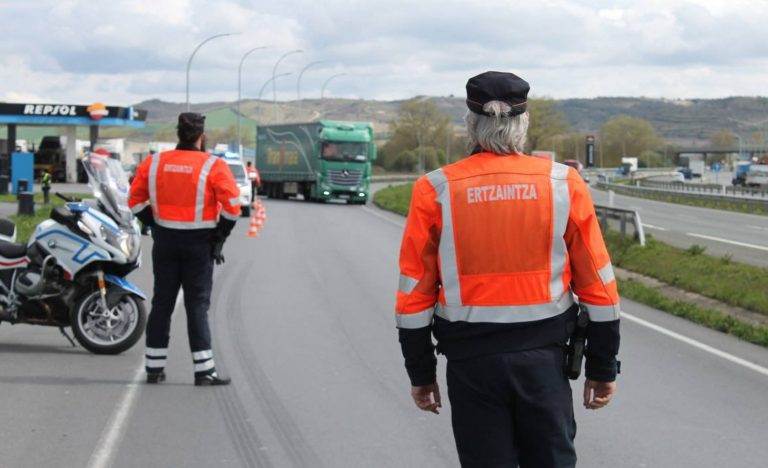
(125, 244)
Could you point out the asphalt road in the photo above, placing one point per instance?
(303, 322)
(743, 236)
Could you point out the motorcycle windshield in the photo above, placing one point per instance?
(109, 183)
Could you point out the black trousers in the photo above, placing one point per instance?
(181, 259)
(513, 409)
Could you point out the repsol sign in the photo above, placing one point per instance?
(94, 111)
(50, 109)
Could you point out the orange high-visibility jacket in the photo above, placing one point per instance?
(502, 239)
(254, 176)
(186, 190)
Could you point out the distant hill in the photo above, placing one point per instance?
(684, 122)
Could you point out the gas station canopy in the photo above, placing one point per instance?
(71, 116)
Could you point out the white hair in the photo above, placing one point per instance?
(497, 133)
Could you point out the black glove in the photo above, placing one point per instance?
(217, 245)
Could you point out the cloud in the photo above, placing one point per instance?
(138, 49)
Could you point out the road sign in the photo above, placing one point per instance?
(590, 159)
(716, 167)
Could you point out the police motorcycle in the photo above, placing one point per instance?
(72, 271)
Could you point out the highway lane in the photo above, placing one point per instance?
(743, 236)
(303, 322)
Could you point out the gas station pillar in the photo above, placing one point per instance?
(71, 150)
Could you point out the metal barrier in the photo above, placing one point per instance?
(394, 178)
(754, 192)
(624, 217)
(716, 189)
(760, 204)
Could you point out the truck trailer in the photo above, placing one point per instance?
(321, 160)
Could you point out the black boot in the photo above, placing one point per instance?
(211, 379)
(155, 377)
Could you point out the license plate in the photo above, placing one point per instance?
(345, 196)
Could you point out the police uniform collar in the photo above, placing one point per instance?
(186, 147)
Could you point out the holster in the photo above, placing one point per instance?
(576, 345)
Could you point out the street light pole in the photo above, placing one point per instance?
(239, 93)
(271, 80)
(274, 71)
(322, 90)
(189, 62)
(298, 81)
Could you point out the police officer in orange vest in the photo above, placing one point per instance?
(495, 249)
(191, 200)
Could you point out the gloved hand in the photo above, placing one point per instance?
(217, 245)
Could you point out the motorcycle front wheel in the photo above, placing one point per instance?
(108, 332)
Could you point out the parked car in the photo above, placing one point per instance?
(686, 172)
(579, 168)
(237, 167)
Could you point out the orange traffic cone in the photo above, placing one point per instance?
(253, 228)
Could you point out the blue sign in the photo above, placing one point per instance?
(22, 168)
(716, 167)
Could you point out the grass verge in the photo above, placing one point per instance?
(637, 291)
(26, 224)
(689, 269)
(394, 198)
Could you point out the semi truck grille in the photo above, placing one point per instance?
(345, 177)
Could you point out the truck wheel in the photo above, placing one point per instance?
(306, 191)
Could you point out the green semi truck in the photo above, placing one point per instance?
(321, 160)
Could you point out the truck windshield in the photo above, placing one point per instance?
(344, 151)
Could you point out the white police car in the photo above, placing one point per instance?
(237, 167)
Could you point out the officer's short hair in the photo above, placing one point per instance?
(191, 125)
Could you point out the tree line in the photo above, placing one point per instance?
(422, 138)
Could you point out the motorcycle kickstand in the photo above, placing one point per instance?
(63, 332)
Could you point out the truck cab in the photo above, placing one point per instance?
(50, 157)
(757, 176)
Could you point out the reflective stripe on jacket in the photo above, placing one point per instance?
(186, 190)
(502, 239)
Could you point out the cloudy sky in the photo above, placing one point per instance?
(125, 51)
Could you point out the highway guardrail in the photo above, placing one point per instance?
(717, 189)
(394, 178)
(761, 203)
(624, 217)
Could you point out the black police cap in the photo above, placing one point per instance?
(497, 86)
(191, 121)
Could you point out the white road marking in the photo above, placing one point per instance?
(697, 344)
(105, 451)
(762, 228)
(654, 227)
(389, 220)
(106, 448)
(728, 241)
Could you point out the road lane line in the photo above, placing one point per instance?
(728, 241)
(697, 344)
(654, 227)
(389, 220)
(113, 432)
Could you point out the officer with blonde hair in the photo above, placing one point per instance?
(496, 249)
